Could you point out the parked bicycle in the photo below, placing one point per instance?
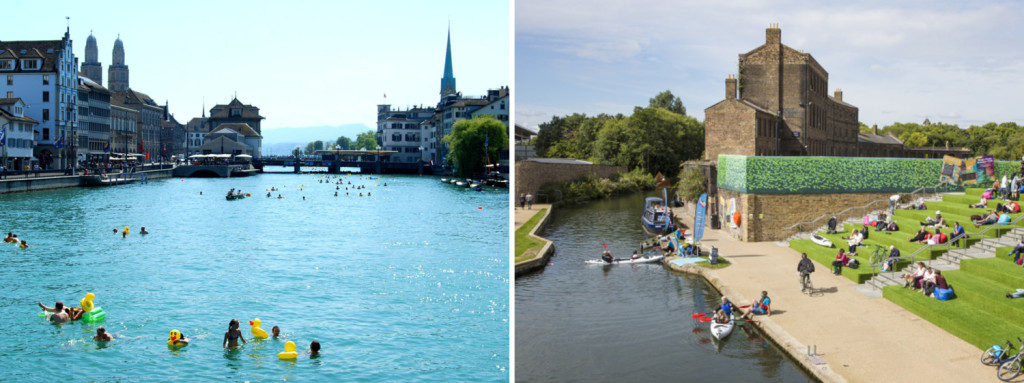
(997, 354)
(1011, 368)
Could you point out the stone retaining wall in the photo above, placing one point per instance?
(543, 256)
(530, 175)
(765, 217)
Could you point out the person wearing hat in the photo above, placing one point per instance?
(938, 221)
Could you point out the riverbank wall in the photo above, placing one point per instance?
(545, 253)
(29, 184)
(533, 173)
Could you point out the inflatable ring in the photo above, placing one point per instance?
(86, 302)
(174, 337)
(289, 351)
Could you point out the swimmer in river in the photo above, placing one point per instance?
(335, 194)
(276, 331)
(368, 194)
(23, 245)
(124, 234)
(9, 238)
(314, 349)
(232, 336)
(102, 336)
(268, 194)
(143, 231)
(115, 230)
(303, 198)
(279, 196)
(61, 313)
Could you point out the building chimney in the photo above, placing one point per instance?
(773, 35)
(730, 87)
(874, 128)
(839, 94)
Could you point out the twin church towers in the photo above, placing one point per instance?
(117, 73)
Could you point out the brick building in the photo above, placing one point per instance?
(779, 106)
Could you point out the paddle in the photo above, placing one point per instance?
(705, 319)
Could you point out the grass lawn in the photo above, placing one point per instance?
(722, 263)
(527, 246)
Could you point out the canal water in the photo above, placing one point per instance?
(577, 322)
(410, 283)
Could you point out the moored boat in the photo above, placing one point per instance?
(624, 261)
(655, 219)
(821, 240)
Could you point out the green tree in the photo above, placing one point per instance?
(914, 139)
(314, 146)
(366, 140)
(666, 100)
(344, 143)
(692, 183)
(652, 139)
(467, 140)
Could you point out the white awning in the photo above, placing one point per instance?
(243, 156)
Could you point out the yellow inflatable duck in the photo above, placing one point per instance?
(176, 339)
(86, 302)
(126, 230)
(91, 313)
(256, 330)
(289, 351)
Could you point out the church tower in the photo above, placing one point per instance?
(448, 81)
(92, 68)
(118, 72)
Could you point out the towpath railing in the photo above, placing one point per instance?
(856, 211)
(999, 228)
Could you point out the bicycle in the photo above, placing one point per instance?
(805, 283)
(997, 355)
(1011, 368)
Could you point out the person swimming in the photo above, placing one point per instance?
(102, 335)
(232, 336)
(23, 245)
(143, 230)
(276, 331)
(62, 314)
(314, 349)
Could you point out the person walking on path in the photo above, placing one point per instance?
(522, 201)
(805, 268)
(529, 201)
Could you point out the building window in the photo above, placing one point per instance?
(6, 64)
(46, 79)
(10, 81)
(29, 64)
(46, 115)
(46, 132)
(46, 96)
(236, 112)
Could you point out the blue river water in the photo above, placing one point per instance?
(408, 284)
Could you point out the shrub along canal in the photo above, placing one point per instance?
(579, 322)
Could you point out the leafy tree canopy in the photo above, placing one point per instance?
(666, 100)
(468, 140)
(366, 140)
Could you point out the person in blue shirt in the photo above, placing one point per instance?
(724, 311)
(761, 306)
(957, 230)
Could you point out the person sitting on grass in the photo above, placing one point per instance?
(937, 222)
(989, 219)
(1017, 250)
(914, 280)
(855, 240)
(928, 280)
(957, 231)
(937, 238)
(980, 205)
(940, 283)
(761, 306)
(841, 260)
(920, 236)
(890, 262)
(1018, 294)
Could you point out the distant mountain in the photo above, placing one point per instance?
(281, 141)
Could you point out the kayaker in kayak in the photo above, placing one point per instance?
(635, 255)
(607, 257)
(724, 311)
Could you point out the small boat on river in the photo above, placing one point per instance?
(624, 261)
(655, 219)
(104, 180)
(721, 330)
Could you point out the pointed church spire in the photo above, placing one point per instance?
(448, 81)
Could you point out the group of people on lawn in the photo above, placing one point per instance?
(926, 279)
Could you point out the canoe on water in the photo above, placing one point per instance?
(624, 261)
(721, 330)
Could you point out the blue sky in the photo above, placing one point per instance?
(303, 63)
(956, 62)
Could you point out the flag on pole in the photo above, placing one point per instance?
(3, 136)
(59, 144)
(142, 146)
(106, 149)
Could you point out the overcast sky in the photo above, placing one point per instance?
(303, 63)
(957, 62)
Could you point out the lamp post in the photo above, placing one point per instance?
(378, 159)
